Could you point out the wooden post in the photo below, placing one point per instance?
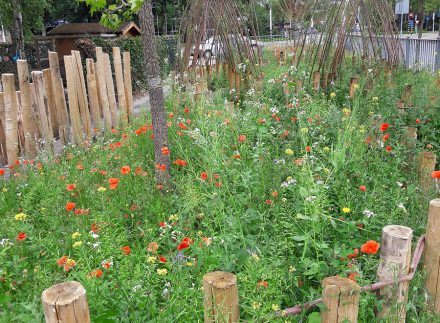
(47, 75)
(77, 133)
(11, 106)
(60, 99)
(120, 83)
(102, 87)
(298, 87)
(432, 254)
(29, 122)
(3, 154)
(340, 297)
(111, 90)
(220, 297)
(93, 94)
(324, 81)
(354, 84)
(426, 164)
(395, 260)
(127, 83)
(316, 80)
(82, 93)
(43, 110)
(66, 302)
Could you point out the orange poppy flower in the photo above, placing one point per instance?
(21, 236)
(70, 187)
(126, 250)
(165, 151)
(113, 183)
(70, 206)
(370, 247)
(125, 170)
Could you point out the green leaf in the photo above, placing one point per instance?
(303, 192)
(314, 317)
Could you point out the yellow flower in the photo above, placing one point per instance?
(102, 189)
(356, 86)
(4, 190)
(76, 235)
(289, 152)
(289, 178)
(173, 217)
(189, 264)
(292, 269)
(304, 130)
(346, 112)
(20, 216)
(256, 305)
(151, 260)
(275, 307)
(332, 95)
(256, 258)
(375, 99)
(199, 233)
(77, 244)
(346, 210)
(162, 272)
(326, 149)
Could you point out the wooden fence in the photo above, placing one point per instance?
(40, 112)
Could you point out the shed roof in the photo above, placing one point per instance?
(90, 29)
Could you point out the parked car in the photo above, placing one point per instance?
(214, 47)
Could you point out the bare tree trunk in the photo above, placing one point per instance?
(17, 29)
(155, 90)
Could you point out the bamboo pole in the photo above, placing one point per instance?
(395, 261)
(93, 94)
(120, 83)
(29, 122)
(127, 83)
(3, 154)
(82, 94)
(341, 300)
(47, 76)
(43, 110)
(111, 90)
(432, 254)
(220, 297)
(66, 302)
(60, 99)
(10, 104)
(77, 132)
(426, 164)
(102, 87)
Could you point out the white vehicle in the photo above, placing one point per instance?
(214, 47)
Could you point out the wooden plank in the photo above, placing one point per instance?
(29, 123)
(47, 76)
(117, 61)
(75, 119)
(127, 83)
(102, 87)
(43, 110)
(10, 104)
(82, 94)
(110, 90)
(93, 94)
(432, 255)
(60, 99)
(3, 153)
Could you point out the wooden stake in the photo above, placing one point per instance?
(102, 87)
(60, 99)
(66, 302)
(120, 83)
(3, 153)
(10, 104)
(93, 94)
(340, 297)
(354, 84)
(316, 79)
(75, 118)
(432, 254)
(43, 110)
(47, 76)
(395, 260)
(29, 122)
(426, 164)
(111, 90)
(298, 87)
(127, 83)
(220, 297)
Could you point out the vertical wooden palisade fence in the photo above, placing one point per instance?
(39, 112)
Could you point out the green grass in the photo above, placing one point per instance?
(269, 216)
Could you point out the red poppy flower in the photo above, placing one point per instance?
(203, 176)
(417, 120)
(352, 276)
(2, 172)
(308, 148)
(62, 260)
(383, 127)
(70, 187)
(126, 250)
(21, 236)
(187, 240)
(268, 202)
(70, 206)
(435, 174)
(106, 264)
(113, 183)
(96, 273)
(370, 247)
(275, 194)
(242, 138)
(262, 283)
(182, 126)
(161, 167)
(186, 110)
(162, 259)
(165, 151)
(125, 170)
(162, 224)
(386, 137)
(389, 149)
(94, 228)
(138, 170)
(180, 162)
(182, 245)
(362, 188)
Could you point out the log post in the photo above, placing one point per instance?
(117, 61)
(110, 90)
(3, 154)
(340, 297)
(47, 75)
(127, 83)
(102, 87)
(426, 164)
(93, 94)
(432, 254)
(395, 259)
(11, 107)
(316, 81)
(220, 297)
(66, 302)
(298, 87)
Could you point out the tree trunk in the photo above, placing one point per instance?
(17, 29)
(155, 90)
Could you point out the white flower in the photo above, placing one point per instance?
(401, 206)
(368, 213)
